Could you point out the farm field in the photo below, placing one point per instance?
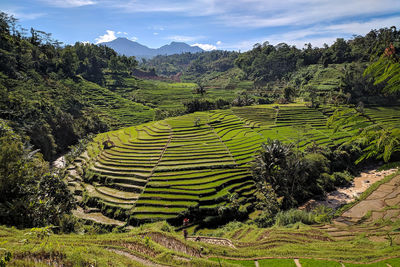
(117, 110)
(162, 169)
(169, 95)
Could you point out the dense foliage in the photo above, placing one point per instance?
(386, 69)
(329, 74)
(286, 177)
(267, 62)
(40, 87)
(192, 66)
(378, 140)
(29, 194)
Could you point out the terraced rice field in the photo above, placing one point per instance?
(161, 169)
(118, 111)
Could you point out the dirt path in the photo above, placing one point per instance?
(297, 262)
(345, 195)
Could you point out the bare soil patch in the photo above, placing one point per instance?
(213, 240)
(345, 195)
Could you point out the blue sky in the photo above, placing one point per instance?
(211, 24)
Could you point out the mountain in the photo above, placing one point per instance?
(127, 47)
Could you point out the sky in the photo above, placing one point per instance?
(210, 24)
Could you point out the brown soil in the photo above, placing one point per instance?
(384, 196)
(264, 235)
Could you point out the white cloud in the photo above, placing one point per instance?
(69, 3)
(155, 33)
(206, 47)
(85, 42)
(262, 13)
(23, 15)
(108, 37)
(134, 38)
(219, 43)
(362, 28)
(273, 13)
(183, 38)
(316, 35)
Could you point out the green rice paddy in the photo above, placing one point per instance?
(159, 170)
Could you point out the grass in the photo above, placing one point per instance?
(149, 242)
(168, 96)
(277, 263)
(223, 262)
(118, 111)
(318, 263)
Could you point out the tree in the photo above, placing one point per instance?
(200, 89)
(377, 141)
(291, 175)
(357, 85)
(289, 92)
(69, 61)
(386, 70)
(341, 51)
(29, 194)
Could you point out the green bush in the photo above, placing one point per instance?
(265, 219)
(166, 227)
(342, 178)
(292, 216)
(69, 224)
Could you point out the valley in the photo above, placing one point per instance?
(113, 153)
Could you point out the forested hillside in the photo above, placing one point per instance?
(53, 94)
(322, 74)
(192, 65)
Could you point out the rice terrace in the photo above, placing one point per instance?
(159, 170)
(200, 133)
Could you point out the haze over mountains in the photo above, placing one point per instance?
(127, 47)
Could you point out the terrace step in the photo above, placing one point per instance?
(111, 173)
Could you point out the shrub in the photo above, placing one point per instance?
(323, 214)
(231, 226)
(166, 227)
(292, 216)
(342, 178)
(265, 219)
(69, 224)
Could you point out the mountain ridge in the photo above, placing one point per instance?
(127, 47)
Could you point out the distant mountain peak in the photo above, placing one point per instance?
(128, 47)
